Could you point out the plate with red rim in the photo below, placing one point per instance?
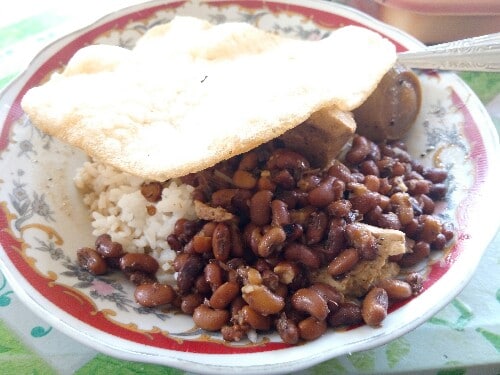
(43, 219)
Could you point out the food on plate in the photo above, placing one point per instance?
(227, 179)
(265, 241)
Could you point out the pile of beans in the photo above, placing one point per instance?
(253, 271)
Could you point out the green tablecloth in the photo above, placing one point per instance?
(464, 336)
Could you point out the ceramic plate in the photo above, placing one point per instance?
(43, 220)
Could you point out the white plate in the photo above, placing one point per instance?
(43, 221)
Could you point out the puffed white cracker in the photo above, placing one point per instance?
(191, 94)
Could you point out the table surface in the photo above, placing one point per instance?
(463, 338)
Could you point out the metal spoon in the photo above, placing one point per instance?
(478, 54)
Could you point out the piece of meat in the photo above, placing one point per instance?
(322, 136)
(205, 212)
(390, 111)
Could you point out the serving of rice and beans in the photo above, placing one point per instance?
(272, 243)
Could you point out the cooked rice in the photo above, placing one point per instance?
(118, 208)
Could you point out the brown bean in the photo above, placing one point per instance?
(330, 294)
(359, 150)
(398, 169)
(260, 207)
(185, 229)
(214, 275)
(348, 314)
(151, 210)
(262, 300)
(339, 208)
(249, 161)
(364, 202)
(221, 242)
(356, 188)
(340, 171)
(210, 319)
(403, 207)
(90, 260)
(180, 260)
(189, 272)
(223, 198)
(257, 321)
(310, 301)
(174, 242)
(372, 182)
(202, 286)
(385, 186)
(420, 251)
(361, 239)
(102, 238)
(385, 166)
(439, 243)
(265, 182)
(108, 248)
(155, 294)
(297, 252)
(280, 214)
(431, 227)
(311, 328)
(426, 203)
(201, 244)
(316, 227)
(223, 295)
(416, 186)
(389, 221)
(323, 194)
(396, 289)
(335, 240)
(287, 159)
(138, 262)
(152, 191)
(374, 307)
(283, 179)
(435, 175)
(244, 179)
(270, 240)
(344, 262)
(369, 167)
(190, 302)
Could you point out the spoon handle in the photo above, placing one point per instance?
(479, 54)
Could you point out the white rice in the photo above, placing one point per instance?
(119, 209)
